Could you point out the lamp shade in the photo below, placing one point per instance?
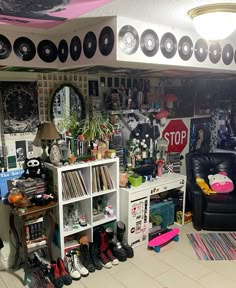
(214, 21)
(48, 131)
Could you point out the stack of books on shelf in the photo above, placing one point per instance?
(101, 179)
(73, 185)
(34, 233)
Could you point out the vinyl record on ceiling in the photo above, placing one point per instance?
(149, 42)
(215, 52)
(63, 50)
(24, 48)
(5, 47)
(201, 50)
(75, 48)
(185, 48)
(228, 54)
(47, 51)
(168, 45)
(128, 39)
(90, 44)
(106, 41)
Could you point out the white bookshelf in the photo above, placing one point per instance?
(109, 196)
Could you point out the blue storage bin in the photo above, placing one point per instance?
(162, 213)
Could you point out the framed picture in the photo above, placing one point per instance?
(200, 135)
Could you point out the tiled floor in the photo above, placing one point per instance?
(176, 266)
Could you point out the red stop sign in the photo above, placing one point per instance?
(176, 133)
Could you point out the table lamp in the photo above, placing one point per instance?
(48, 133)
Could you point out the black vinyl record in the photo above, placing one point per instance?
(106, 41)
(215, 52)
(24, 48)
(128, 39)
(228, 54)
(185, 48)
(168, 45)
(75, 48)
(201, 50)
(47, 51)
(149, 42)
(62, 50)
(5, 47)
(90, 44)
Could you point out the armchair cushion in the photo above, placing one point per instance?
(220, 203)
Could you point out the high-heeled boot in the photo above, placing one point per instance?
(121, 237)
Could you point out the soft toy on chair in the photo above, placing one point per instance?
(204, 186)
(221, 183)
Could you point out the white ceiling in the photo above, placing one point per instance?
(172, 13)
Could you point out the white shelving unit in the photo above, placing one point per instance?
(84, 203)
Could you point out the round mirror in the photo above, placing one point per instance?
(65, 101)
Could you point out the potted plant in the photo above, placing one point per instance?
(96, 128)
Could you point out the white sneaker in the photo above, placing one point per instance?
(70, 266)
(79, 266)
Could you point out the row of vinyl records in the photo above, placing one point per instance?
(101, 179)
(73, 185)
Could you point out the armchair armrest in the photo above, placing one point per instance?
(196, 200)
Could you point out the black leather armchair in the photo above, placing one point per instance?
(215, 211)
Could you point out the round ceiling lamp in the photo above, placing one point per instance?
(214, 21)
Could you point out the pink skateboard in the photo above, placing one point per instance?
(164, 238)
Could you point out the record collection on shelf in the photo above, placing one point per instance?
(102, 179)
(73, 184)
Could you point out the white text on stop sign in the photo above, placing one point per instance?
(175, 137)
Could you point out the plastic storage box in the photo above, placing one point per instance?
(162, 213)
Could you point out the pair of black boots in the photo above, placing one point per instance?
(88, 256)
(117, 242)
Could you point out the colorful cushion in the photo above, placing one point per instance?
(221, 183)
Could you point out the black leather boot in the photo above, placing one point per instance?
(115, 246)
(85, 258)
(94, 256)
(121, 237)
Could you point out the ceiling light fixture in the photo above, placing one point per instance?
(214, 21)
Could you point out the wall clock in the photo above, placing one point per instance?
(20, 107)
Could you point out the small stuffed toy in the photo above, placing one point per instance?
(204, 186)
(221, 183)
(34, 168)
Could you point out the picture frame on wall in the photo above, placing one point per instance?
(200, 135)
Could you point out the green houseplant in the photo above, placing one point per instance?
(97, 127)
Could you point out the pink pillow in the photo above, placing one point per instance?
(221, 183)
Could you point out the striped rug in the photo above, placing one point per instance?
(214, 246)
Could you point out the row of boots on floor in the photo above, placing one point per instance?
(108, 249)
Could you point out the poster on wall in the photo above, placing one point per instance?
(20, 107)
(44, 13)
(200, 135)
